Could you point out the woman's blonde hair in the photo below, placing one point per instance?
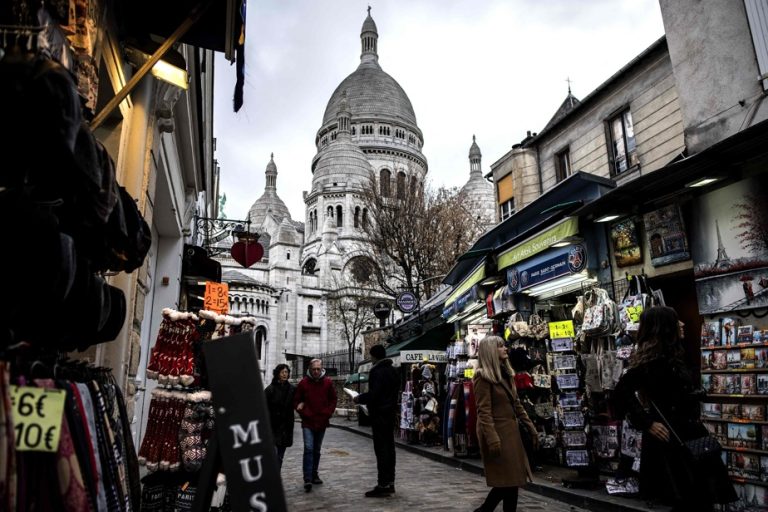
(489, 361)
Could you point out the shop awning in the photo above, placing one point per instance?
(434, 339)
(568, 227)
(356, 377)
(563, 199)
(219, 29)
(477, 275)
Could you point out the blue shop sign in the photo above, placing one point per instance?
(547, 266)
(470, 296)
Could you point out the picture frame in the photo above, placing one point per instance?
(711, 410)
(572, 419)
(744, 334)
(568, 381)
(626, 243)
(564, 362)
(574, 438)
(730, 411)
(762, 384)
(575, 458)
(754, 412)
(570, 400)
(665, 233)
(748, 384)
(742, 435)
(562, 344)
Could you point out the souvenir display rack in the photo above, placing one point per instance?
(734, 374)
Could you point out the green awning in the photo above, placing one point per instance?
(434, 339)
(538, 243)
(477, 275)
(356, 377)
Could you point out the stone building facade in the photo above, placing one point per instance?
(368, 137)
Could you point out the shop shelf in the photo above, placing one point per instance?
(738, 370)
(745, 450)
(739, 420)
(741, 345)
(743, 480)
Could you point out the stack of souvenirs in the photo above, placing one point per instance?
(419, 415)
(181, 418)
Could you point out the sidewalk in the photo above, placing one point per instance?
(547, 482)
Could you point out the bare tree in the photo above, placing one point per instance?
(416, 233)
(350, 309)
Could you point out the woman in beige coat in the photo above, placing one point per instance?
(498, 409)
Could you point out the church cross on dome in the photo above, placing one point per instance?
(369, 37)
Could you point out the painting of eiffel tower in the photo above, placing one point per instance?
(722, 261)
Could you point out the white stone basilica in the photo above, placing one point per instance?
(369, 131)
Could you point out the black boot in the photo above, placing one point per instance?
(380, 491)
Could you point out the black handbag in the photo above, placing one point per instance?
(701, 448)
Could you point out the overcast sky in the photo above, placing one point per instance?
(493, 68)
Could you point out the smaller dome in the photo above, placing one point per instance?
(269, 203)
(474, 149)
(369, 25)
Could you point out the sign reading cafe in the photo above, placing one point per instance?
(547, 266)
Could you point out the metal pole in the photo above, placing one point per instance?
(123, 93)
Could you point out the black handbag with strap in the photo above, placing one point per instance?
(701, 448)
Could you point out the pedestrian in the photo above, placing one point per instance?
(381, 399)
(315, 401)
(500, 416)
(280, 405)
(658, 392)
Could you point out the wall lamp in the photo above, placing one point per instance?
(172, 68)
(607, 218)
(702, 182)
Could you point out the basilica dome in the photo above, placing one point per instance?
(269, 203)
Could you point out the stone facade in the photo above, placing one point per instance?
(368, 134)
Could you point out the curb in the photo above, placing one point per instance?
(577, 497)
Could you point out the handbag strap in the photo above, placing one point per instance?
(663, 419)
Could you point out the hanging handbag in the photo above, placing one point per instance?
(516, 327)
(540, 378)
(700, 449)
(537, 328)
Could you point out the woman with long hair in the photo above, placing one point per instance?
(498, 412)
(280, 404)
(658, 392)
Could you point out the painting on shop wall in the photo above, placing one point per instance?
(665, 233)
(729, 245)
(626, 244)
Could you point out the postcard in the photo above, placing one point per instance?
(711, 410)
(748, 384)
(753, 411)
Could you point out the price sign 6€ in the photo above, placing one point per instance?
(37, 415)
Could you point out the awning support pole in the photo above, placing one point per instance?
(123, 93)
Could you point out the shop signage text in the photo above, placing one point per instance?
(418, 356)
(37, 414)
(539, 243)
(550, 265)
(407, 302)
(562, 329)
(382, 309)
(216, 297)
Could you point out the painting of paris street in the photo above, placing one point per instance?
(730, 247)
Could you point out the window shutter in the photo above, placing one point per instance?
(757, 15)
(506, 192)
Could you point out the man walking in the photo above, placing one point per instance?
(315, 400)
(381, 399)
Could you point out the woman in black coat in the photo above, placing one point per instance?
(658, 383)
(280, 404)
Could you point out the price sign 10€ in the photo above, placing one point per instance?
(37, 415)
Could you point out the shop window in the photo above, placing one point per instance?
(384, 178)
(562, 164)
(310, 310)
(339, 218)
(623, 147)
(507, 208)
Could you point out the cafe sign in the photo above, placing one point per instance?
(423, 356)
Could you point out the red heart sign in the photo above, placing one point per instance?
(247, 253)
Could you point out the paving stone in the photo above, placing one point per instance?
(348, 469)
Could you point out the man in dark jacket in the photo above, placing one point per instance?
(315, 400)
(381, 399)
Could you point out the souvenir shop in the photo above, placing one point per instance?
(75, 236)
(567, 300)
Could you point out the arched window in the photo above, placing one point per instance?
(365, 218)
(310, 267)
(330, 212)
(339, 217)
(384, 178)
(412, 191)
(310, 310)
(288, 255)
(357, 216)
(354, 131)
(401, 185)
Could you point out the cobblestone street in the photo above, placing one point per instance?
(348, 469)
